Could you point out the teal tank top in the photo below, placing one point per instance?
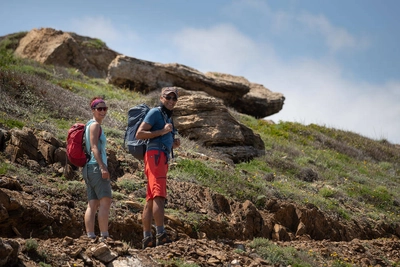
(101, 145)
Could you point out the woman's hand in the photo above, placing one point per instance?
(104, 172)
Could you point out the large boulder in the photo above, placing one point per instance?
(257, 99)
(206, 120)
(237, 92)
(146, 76)
(23, 144)
(50, 46)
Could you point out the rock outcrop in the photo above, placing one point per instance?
(50, 46)
(93, 58)
(259, 102)
(145, 76)
(206, 120)
(40, 151)
(9, 250)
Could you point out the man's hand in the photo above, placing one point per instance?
(177, 143)
(168, 128)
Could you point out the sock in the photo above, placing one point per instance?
(91, 235)
(160, 229)
(146, 234)
(104, 234)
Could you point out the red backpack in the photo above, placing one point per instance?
(76, 147)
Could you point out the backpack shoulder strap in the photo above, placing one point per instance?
(173, 127)
(163, 115)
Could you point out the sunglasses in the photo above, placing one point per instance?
(102, 108)
(170, 97)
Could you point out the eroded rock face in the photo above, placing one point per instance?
(23, 143)
(35, 149)
(9, 250)
(145, 76)
(221, 227)
(50, 46)
(21, 213)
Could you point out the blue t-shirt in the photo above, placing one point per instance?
(101, 145)
(157, 121)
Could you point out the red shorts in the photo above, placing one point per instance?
(156, 168)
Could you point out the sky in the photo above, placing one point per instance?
(337, 62)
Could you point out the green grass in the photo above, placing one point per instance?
(95, 43)
(6, 59)
(347, 176)
(177, 263)
(31, 245)
(74, 188)
(277, 256)
(129, 186)
(3, 168)
(118, 196)
(355, 168)
(195, 220)
(229, 183)
(11, 123)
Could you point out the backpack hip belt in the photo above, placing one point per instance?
(158, 146)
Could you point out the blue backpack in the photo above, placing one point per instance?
(136, 147)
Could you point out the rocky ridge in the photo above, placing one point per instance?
(95, 59)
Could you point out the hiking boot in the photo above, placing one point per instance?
(106, 240)
(148, 242)
(162, 239)
(93, 239)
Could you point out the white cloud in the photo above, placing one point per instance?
(238, 8)
(315, 94)
(336, 38)
(308, 25)
(118, 38)
(220, 48)
(96, 27)
(381, 110)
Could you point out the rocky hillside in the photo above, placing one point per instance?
(241, 192)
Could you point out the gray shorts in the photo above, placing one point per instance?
(96, 187)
